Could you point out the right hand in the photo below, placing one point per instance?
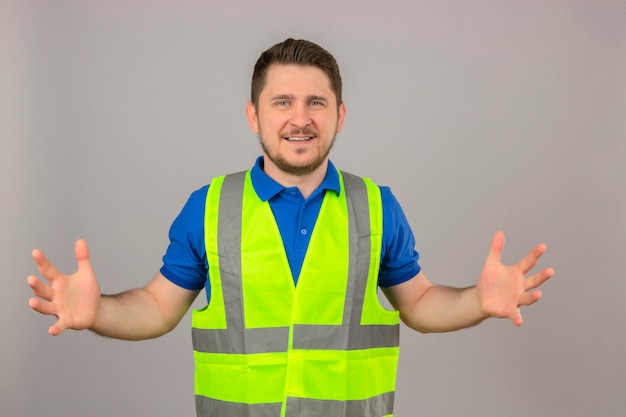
(73, 299)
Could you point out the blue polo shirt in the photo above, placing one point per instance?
(185, 261)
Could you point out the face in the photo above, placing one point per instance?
(296, 118)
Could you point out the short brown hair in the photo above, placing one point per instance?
(299, 52)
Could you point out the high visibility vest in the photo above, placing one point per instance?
(265, 347)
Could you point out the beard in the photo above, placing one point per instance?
(298, 170)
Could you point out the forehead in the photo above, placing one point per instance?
(296, 80)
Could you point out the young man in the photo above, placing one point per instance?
(291, 254)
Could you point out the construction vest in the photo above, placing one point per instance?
(265, 347)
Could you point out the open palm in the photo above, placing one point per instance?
(502, 289)
(73, 299)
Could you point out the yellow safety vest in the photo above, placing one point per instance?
(265, 347)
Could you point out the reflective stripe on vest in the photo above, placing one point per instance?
(381, 405)
(249, 363)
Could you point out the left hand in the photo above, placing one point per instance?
(502, 290)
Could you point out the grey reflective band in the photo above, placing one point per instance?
(229, 248)
(211, 407)
(378, 406)
(235, 338)
(262, 340)
(345, 337)
(350, 335)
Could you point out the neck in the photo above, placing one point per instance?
(306, 183)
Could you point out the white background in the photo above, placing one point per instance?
(481, 115)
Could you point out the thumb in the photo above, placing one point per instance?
(497, 245)
(82, 254)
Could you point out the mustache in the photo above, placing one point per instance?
(305, 131)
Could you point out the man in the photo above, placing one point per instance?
(291, 254)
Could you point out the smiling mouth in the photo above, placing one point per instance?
(299, 139)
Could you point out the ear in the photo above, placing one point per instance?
(341, 116)
(253, 119)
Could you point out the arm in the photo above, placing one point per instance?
(430, 308)
(500, 291)
(76, 301)
(143, 313)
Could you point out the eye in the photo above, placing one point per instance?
(282, 103)
(317, 103)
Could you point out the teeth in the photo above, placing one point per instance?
(299, 139)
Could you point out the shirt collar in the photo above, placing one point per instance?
(266, 187)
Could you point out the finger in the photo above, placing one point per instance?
(529, 261)
(39, 288)
(538, 279)
(49, 309)
(497, 245)
(516, 317)
(43, 307)
(530, 298)
(57, 328)
(44, 266)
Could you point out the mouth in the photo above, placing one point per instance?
(299, 138)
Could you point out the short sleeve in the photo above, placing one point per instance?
(184, 262)
(399, 259)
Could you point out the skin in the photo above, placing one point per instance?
(296, 102)
(500, 292)
(75, 300)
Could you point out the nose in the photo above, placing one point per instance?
(300, 116)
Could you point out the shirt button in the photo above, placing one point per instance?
(293, 193)
(303, 231)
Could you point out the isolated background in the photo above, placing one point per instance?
(481, 115)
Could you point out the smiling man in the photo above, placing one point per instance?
(297, 114)
(291, 253)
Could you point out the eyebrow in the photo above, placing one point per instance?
(318, 98)
(292, 97)
(282, 97)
